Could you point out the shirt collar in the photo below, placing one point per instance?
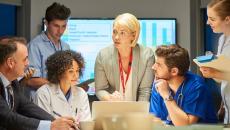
(181, 89)
(59, 92)
(227, 39)
(5, 81)
(67, 96)
(44, 37)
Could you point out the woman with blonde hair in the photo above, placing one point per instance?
(123, 70)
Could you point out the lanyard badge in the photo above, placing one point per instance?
(121, 70)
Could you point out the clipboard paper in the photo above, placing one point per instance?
(221, 63)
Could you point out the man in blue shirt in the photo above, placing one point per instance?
(48, 42)
(178, 96)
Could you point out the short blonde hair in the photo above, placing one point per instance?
(130, 21)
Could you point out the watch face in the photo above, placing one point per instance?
(169, 98)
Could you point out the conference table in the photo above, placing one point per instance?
(159, 125)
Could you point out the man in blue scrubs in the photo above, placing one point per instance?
(178, 96)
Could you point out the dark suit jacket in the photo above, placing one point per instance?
(25, 115)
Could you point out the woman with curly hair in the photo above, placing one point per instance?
(61, 96)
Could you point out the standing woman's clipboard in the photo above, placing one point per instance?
(221, 63)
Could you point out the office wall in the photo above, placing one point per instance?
(204, 3)
(12, 2)
(179, 9)
(8, 21)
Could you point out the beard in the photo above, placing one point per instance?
(166, 77)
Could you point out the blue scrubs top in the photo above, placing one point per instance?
(196, 100)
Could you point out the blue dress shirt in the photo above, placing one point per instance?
(40, 48)
(44, 125)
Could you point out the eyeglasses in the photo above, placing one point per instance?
(121, 34)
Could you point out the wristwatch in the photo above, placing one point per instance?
(169, 98)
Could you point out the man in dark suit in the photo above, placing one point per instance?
(16, 111)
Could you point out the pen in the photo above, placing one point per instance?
(78, 112)
(75, 126)
(57, 114)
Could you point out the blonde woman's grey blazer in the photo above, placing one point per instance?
(107, 75)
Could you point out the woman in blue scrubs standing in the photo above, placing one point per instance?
(218, 12)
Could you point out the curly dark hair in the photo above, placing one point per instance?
(61, 61)
(175, 56)
(57, 11)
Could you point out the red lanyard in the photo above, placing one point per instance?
(121, 70)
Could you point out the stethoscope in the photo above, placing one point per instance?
(180, 96)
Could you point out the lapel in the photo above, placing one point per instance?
(57, 91)
(2, 91)
(74, 93)
(15, 84)
(221, 43)
(115, 68)
(135, 69)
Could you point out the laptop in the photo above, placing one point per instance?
(106, 108)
